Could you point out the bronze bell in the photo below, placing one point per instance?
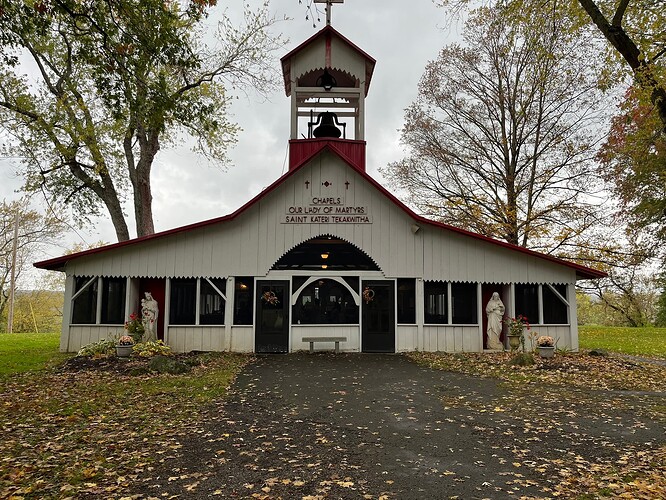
(327, 127)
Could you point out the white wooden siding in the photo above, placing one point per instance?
(352, 333)
(242, 339)
(196, 338)
(254, 241)
(452, 338)
(406, 338)
(561, 334)
(80, 335)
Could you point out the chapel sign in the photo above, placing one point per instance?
(327, 211)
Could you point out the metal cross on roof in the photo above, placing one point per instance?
(329, 5)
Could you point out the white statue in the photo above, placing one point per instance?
(149, 312)
(495, 313)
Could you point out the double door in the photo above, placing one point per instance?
(272, 316)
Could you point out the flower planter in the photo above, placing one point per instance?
(514, 341)
(124, 351)
(546, 352)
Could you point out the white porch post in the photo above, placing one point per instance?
(573, 316)
(66, 314)
(229, 312)
(420, 315)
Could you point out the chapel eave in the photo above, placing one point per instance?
(59, 263)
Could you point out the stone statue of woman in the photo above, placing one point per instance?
(149, 312)
(495, 312)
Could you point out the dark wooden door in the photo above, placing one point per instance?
(272, 321)
(378, 316)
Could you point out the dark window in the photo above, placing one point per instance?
(325, 254)
(298, 282)
(353, 282)
(325, 302)
(464, 303)
(527, 302)
(211, 303)
(84, 309)
(554, 310)
(435, 305)
(183, 303)
(243, 300)
(407, 301)
(113, 301)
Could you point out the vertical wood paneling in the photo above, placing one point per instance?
(242, 339)
(251, 243)
(458, 339)
(406, 338)
(351, 332)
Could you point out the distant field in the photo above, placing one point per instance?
(22, 352)
(647, 341)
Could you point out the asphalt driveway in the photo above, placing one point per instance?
(367, 426)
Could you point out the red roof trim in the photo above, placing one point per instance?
(327, 30)
(582, 271)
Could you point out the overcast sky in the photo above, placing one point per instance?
(402, 36)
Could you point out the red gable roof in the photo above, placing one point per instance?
(581, 271)
(326, 31)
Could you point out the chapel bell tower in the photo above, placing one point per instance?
(327, 78)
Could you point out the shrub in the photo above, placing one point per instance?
(97, 349)
(523, 359)
(152, 348)
(162, 364)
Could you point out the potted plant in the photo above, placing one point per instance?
(124, 346)
(517, 326)
(545, 346)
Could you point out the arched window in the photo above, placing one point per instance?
(325, 302)
(325, 254)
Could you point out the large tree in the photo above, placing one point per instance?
(633, 163)
(90, 91)
(634, 30)
(498, 140)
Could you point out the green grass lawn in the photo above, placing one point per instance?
(638, 341)
(22, 352)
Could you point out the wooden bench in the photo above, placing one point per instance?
(337, 341)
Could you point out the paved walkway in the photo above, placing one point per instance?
(366, 426)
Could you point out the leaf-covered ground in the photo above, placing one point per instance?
(92, 428)
(338, 426)
(595, 385)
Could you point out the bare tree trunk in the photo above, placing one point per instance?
(106, 191)
(149, 145)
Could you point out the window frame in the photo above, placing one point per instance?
(92, 282)
(312, 281)
(475, 310)
(250, 293)
(99, 282)
(442, 285)
(562, 301)
(540, 303)
(197, 301)
(413, 294)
